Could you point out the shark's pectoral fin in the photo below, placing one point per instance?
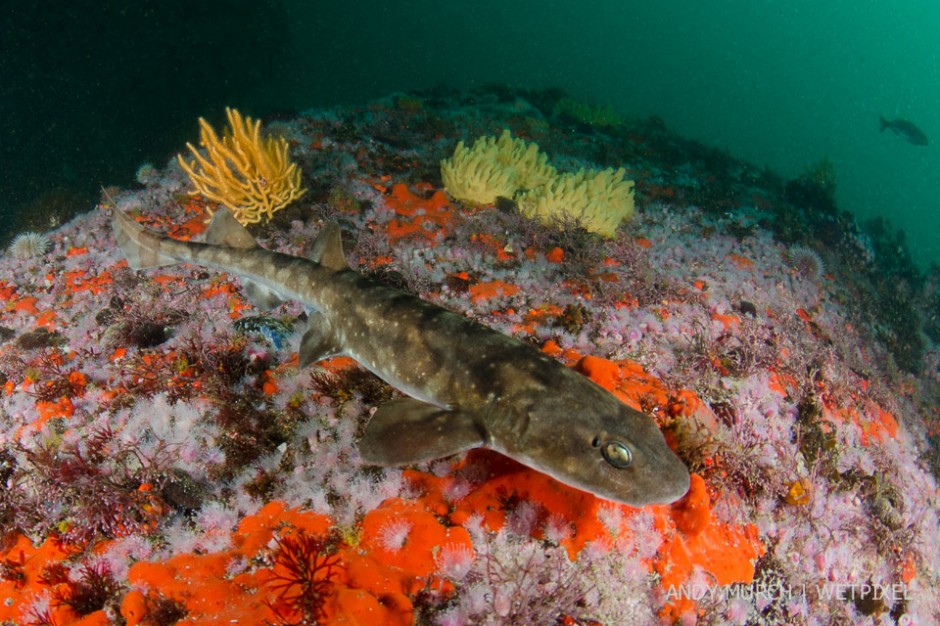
(406, 431)
(327, 249)
(318, 342)
(225, 230)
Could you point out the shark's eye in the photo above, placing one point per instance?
(617, 454)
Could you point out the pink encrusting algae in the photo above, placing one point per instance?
(165, 460)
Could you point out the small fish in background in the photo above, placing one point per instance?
(905, 129)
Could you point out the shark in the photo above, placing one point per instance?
(465, 385)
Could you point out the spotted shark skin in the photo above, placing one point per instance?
(467, 385)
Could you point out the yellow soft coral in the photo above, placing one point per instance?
(511, 168)
(251, 176)
(598, 200)
(494, 167)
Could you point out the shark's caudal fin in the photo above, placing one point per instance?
(130, 236)
(143, 249)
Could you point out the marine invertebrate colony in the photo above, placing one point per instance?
(252, 176)
(303, 572)
(494, 167)
(599, 201)
(511, 168)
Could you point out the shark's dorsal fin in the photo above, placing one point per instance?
(405, 431)
(327, 249)
(225, 230)
(318, 342)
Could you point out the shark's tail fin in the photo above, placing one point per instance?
(884, 123)
(141, 249)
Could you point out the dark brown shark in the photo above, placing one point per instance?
(468, 385)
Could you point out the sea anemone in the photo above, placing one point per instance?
(147, 174)
(29, 245)
(805, 263)
(394, 534)
(454, 560)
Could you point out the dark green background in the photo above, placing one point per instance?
(90, 90)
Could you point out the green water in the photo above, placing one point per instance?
(93, 90)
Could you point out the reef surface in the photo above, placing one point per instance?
(164, 460)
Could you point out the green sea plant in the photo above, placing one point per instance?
(587, 113)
